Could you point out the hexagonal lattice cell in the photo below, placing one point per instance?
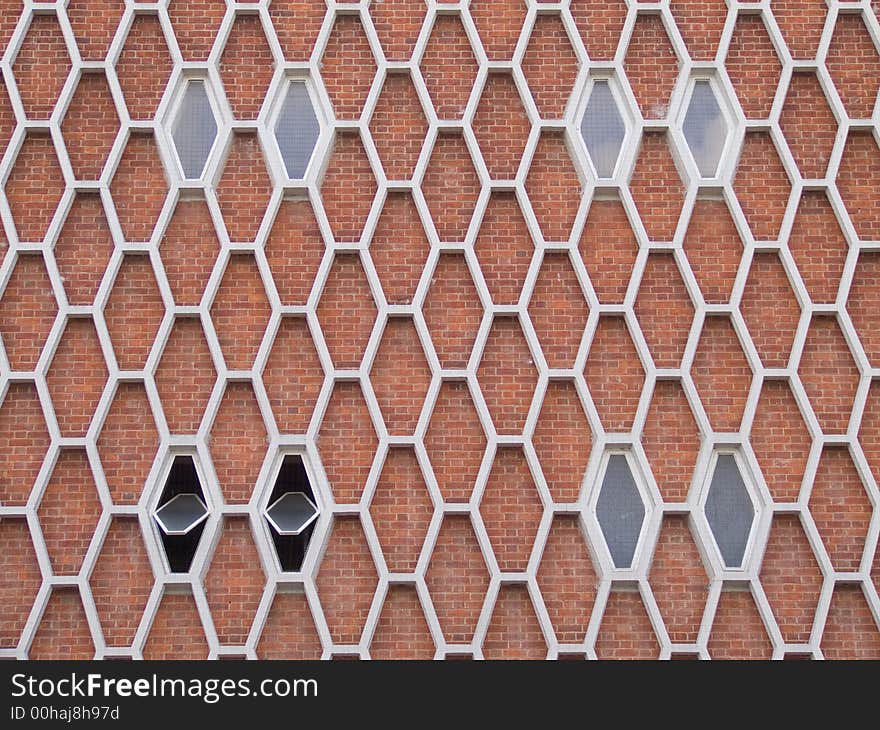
(291, 512)
(41, 64)
(194, 129)
(181, 513)
(603, 128)
(620, 510)
(246, 66)
(549, 65)
(398, 126)
(730, 511)
(651, 65)
(297, 130)
(705, 128)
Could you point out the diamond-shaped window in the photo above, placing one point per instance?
(729, 511)
(603, 129)
(705, 128)
(181, 514)
(291, 513)
(620, 511)
(297, 130)
(194, 130)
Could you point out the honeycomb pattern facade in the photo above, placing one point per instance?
(453, 321)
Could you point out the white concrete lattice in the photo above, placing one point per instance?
(603, 442)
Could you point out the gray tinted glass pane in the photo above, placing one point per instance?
(297, 130)
(705, 129)
(194, 130)
(180, 515)
(291, 513)
(621, 511)
(603, 129)
(729, 511)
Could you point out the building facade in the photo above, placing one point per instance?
(415, 329)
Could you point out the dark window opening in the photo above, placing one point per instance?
(181, 514)
(291, 513)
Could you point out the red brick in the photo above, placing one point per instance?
(402, 632)
(346, 581)
(514, 632)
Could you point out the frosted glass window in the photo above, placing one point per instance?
(195, 130)
(620, 511)
(297, 130)
(705, 129)
(730, 511)
(603, 129)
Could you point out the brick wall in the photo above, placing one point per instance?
(452, 321)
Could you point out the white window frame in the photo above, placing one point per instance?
(755, 497)
(170, 118)
(206, 497)
(264, 503)
(324, 132)
(727, 160)
(635, 569)
(625, 155)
